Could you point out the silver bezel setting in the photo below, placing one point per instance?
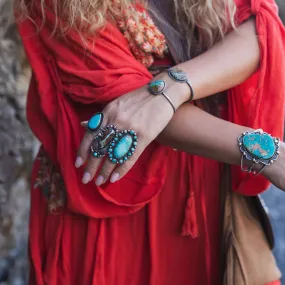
(249, 156)
(101, 152)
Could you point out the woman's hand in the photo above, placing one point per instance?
(140, 111)
(275, 173)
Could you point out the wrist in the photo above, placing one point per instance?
(276, 165)
(178, 92)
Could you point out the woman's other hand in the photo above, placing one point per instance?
(140, 111)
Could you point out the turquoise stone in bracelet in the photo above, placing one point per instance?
(123, 146)
(258, 147)
(261, 146)
(157, 88)
(179, 75)
(95, 122)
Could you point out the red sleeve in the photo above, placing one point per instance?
(259, 102)
(70, 83)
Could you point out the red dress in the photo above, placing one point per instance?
(160, 224)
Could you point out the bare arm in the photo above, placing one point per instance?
(195, 131)
(227, 64)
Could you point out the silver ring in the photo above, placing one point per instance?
(102, 141)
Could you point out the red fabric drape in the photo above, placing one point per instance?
(72, 93)
(71, 82)
(106, 70)
(259, 102)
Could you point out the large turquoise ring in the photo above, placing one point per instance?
(123, 146)
(258, 147)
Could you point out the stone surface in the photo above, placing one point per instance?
(123, 146)
(259, 145)
(178, 75)
(156, 87)
(95, 122)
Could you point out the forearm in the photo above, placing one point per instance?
(227, 64)
(194, 131)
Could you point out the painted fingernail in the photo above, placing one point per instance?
(78, 162)
(86, 178)
(99, 180)
(84, 123)
(115, 177)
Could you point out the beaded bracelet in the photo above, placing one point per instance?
(258, 147)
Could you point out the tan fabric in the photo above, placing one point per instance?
(247, 256)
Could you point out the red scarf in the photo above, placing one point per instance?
(260, 101)
(71, 82)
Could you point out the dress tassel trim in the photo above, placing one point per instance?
(190, 225)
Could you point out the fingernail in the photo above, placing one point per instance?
(99, 180)
(115, 177)
(86, 178)
(84, 123)
(78, 162)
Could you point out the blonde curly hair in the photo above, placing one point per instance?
(212, 18)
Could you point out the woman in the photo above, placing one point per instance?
(152, 219)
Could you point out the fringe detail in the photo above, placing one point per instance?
(190, 226)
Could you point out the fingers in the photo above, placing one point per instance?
(91, 169)
(84, 149)
(105, 172)
(104, 168)
(123, 169)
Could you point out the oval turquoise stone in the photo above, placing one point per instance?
(123, 146)
(95, 122)
(259, 145)
(157, 87)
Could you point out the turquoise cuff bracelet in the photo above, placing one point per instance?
(157, 88)
(258, 147)
(179, 75)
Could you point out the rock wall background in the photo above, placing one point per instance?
(17, 149)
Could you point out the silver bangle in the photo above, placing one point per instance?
(157, 88)
(179, 75)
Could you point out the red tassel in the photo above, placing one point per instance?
(190, 226)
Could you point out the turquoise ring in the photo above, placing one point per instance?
(95, 122)
(123, 146)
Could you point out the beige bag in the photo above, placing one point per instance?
(247, 239)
